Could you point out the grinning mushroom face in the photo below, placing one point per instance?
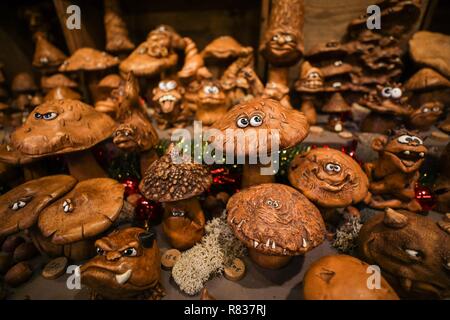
(61, 126)
(427, 114)
(275, 219)
(311, 78)
(413, 251)
(211, 94)
(282, 46)
(167, 95)
(127, 264)
(329, 178)
(388, 99)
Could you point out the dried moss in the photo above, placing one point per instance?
(347, 234)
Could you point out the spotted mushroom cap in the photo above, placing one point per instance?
(262, 114)
(427, 79)
(275, 219)
(57, 80)
(165, 181)
(21, 206)
(61, 126)
(90, 208)
(88, 59)
(328, 177)
(223, 47)
(46, 55)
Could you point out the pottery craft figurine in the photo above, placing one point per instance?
(264, 122)
(394, 175)
(343, 277)
(127, 266)
(177, 185)
(117, 39)
(412, 251)
(46, 56)
(275, 222)
(211, 104)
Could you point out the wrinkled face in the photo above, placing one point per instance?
(406, 151)
(211, 94)
(281, 47)
(311, 79)
(125, 137)
(275, 219)
(168, 95)
(127, 262)
(427, 114)
(158, 44)
(416, 254)
(329, 178)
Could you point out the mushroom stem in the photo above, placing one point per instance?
(82, 165)
(184, 232)
(279, 75)
(147, 158)
(251, 175)
(92, 79)
(309, 110)
(268, 261)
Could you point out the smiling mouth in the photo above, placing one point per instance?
(333, 186)
(409, 158)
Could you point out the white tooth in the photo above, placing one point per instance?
(273, 245)
(406, 152)
(268, 243)
(22, 204)
(240, 224)
(65, 203)
(421, 154)
(15, 206)
(122, 278)
(232, 220)
(338, 127)
(66, 209)
(304, 243)
(284, 252)
(255, 243)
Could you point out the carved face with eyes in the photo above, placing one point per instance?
(281, 47)
(426, 115)
(404, 149)
(328, 177)
(167, 95)
(311, 78)
(388, 99)
(127, 264)
(211, 94)
(412, 250)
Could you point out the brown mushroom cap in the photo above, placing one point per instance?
(23, 82)
(74, 126)
(57, 80)
(90, 208)
(9, 155)
(111, 81)
(426, 79)
(88, 59)
(342, 277)
(21, 206)
(431, 49)
(326, 185)
(275, 219)
(290, 124)
(330, 49)
(223, 47)
(46, 55)
(336, 104)
(60, 93)
(165, 181)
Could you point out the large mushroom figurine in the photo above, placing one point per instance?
(264, 124)
(61, 127)
(329, 178)
(275, 222)
(177, 185)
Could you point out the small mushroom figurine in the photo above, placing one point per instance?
(177, 185)
(127, 266)
(394, 174)
(337, 107)
(275, 222)
(211, 103)
(413, 252)
(265, 124)
(329, 178)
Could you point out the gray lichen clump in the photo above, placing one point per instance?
(208, 258)
(347, 235)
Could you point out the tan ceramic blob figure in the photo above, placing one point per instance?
(211, 104)
(329, 178)
(263, 123)
(412, 251)
(393, 176)
(177, 185)
(275, 222)
(127, 266)
(342, 277)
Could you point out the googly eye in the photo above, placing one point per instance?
(426, 110)
(313, 75)
(214, 90)
(396, 93)
(162, 85)
(329, 167)
(49, 115)
(417, 140)
(242, 122)
(337, 168)
(288, 38)
(404, 139)
(256, 121)
(269, 202)
(207, 89)
(171, 85)
(275, 37)
(37, 115)
(412, 253)
(99, 251)
(386, 92)
(130, 252)
(436, 109)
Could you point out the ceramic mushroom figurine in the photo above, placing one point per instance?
(343, 277)
(46, 56)
(394, 174)
(431, 91)
(413, 252)
(337, 108)
(127, 266)
(275, 222)
(211, 103)
(61, 93)
(329, 178)
(117, 39)
(57, 80)
(177, 185)
(270, 123)
(61, 127)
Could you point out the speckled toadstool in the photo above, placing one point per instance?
(275, 222)
(263, 124)
(67, 127)
(177, 185)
